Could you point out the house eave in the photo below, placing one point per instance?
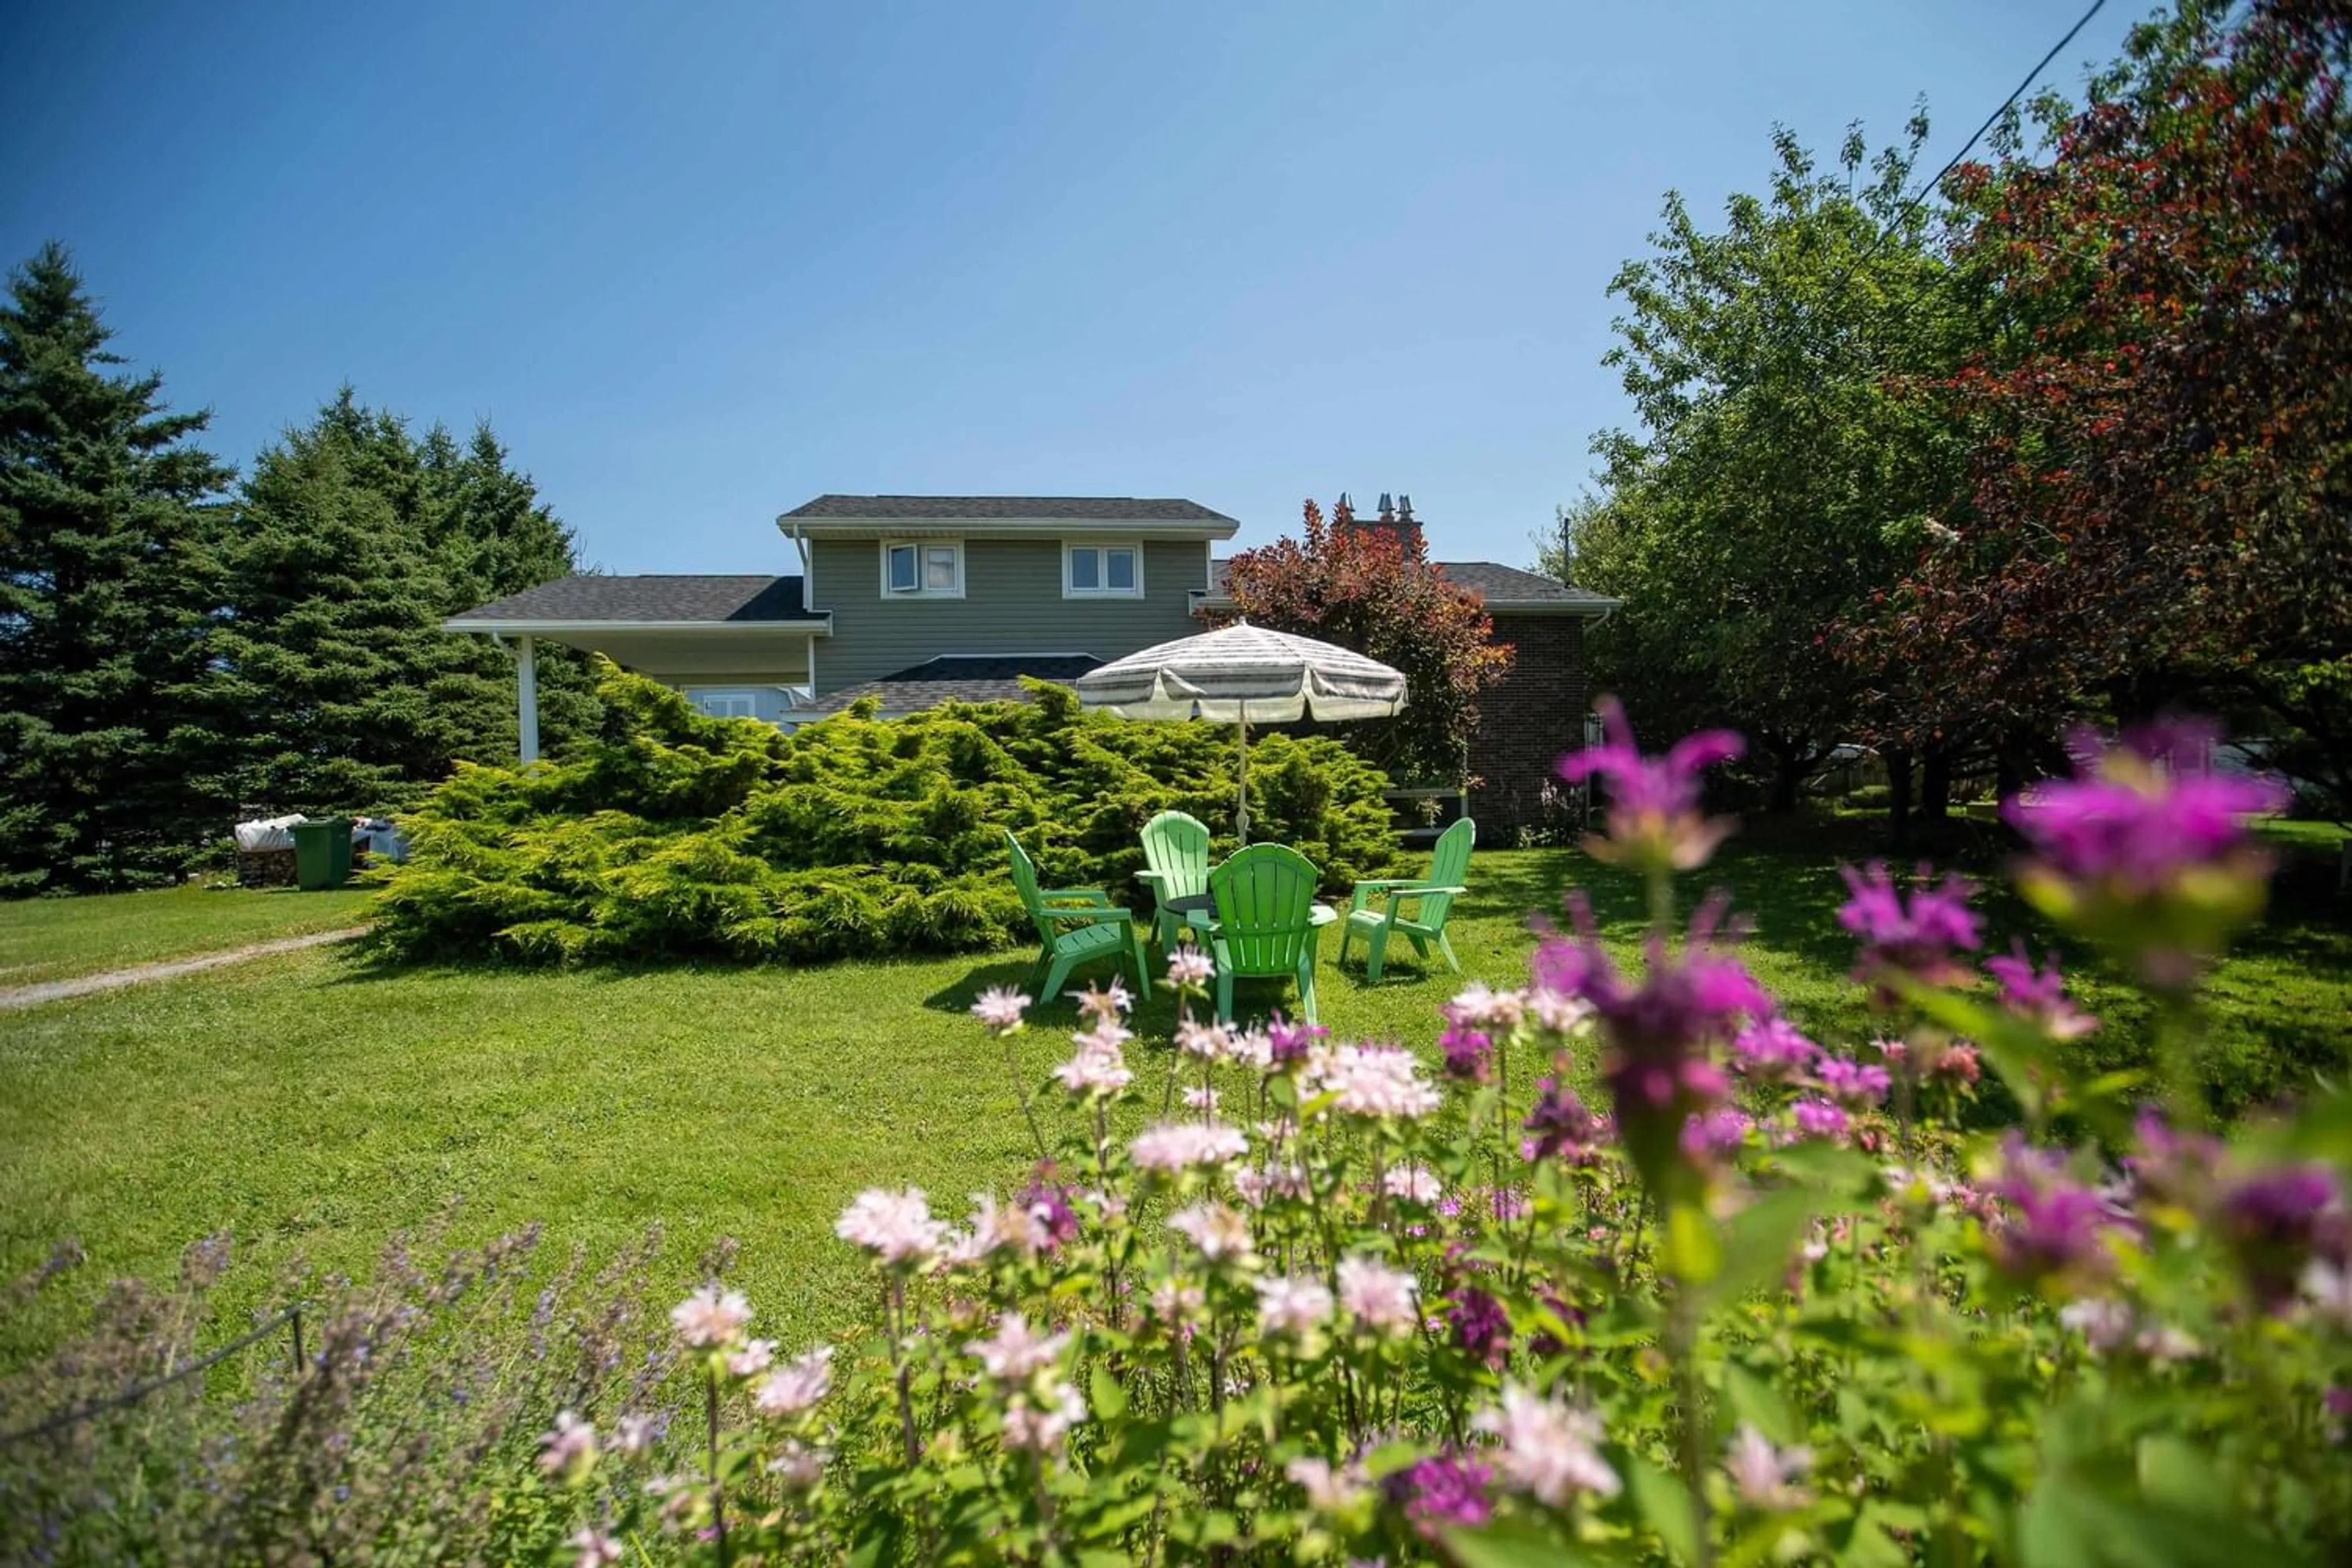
(1180, 530)
(819, 625)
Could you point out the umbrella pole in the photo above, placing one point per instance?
(1242, 820)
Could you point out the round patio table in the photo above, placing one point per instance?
(1206, 905)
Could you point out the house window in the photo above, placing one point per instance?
(922, 571)
(1102, 570)
(726, 704)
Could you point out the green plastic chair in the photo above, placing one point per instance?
(1176, 865)
(1264, 922)
(1077, 926)
(1429, 900)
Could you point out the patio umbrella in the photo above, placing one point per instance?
(1242, 672)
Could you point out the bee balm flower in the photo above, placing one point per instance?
(1547, 1450)
(897, 1227)
(710, 1317)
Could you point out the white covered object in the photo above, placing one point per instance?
(269, 833)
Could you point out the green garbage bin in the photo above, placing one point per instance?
(322, 854)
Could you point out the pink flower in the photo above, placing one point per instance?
(796, 1386)
(1219, 1231)
(1549, 1450)
(596, 1549)
(752, 1358)
(1377, 1297)
(710, 1317)
(897, 1227)
(997, 1229)
(1562, 1127)
(570, 1451)
(1765, 1476)
(1017, 1352)
(1000, 1009)
(1099, 1068)
(1819, 1119)
(1380, 1082)
(2040, 996)
(1716, 1134)
(1189, 968)
(798, 1466)
(1173, 1303)
(1038, 1423)
(1200, 1099)
(1177, 1146)
(1104, 1005)
(1555, 1012)
(1857, 1085)
(1479, 1006)
(1413, 1183)
(639, 1434)
(1654, 819)
(1921, 937)
(1205, 1041)
(1772, 1050)
(1292, 1305)
(1327, 1489)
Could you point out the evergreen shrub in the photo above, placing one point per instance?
(674, 835)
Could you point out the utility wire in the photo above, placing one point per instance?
(1920, 195)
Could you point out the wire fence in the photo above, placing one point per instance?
(290, 1319)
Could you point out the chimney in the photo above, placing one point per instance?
(1395, 519)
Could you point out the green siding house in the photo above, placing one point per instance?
(915, 600)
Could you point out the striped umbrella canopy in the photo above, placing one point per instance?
(1242, 672)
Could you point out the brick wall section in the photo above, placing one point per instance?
(1528, 722)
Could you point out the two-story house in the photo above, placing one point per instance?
(915, 600)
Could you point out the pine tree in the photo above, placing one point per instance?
(333, 687)
(105, 580)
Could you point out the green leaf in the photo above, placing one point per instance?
(1759, 1403)
(1104, 1393)
(1513, 1543)
(1758, 1239)
(1664, 1504)
(1691, 1252)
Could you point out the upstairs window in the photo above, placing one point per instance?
(726, 704)
(922, 571)
(1102, 570)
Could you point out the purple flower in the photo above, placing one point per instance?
(1562, 1127)
(2170, 1164)
(1819, 1119)
(1659, 1072)
(1469, 1053)
(2055, 1227)
(2147, 850)
(1716, 1134)
(1441, 1490)
(1048, 1202)
(1480, 1325)
(1654, 819)
(2272, 1219)
(1857, 1085)
(1291, 1042)
(1772, 1051)
(1915, 937)
(2039, 994)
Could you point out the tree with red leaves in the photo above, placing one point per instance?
(1372, 588)
(2158, 508)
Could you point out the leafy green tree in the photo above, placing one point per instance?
(332, 686)
(1781, 473)
(105, 578)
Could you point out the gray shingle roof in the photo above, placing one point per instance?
(1503, 587)
(957, 678)
(1007, 508)
(651, 598)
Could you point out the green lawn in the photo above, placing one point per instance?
(48, 939)
(314, 1106)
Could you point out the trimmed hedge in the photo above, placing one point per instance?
(674, 835)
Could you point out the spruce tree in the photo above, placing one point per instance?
(105, 586)
(333, 687)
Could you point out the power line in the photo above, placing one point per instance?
(1991, 119)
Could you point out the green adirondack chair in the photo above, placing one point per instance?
(1176, 865)
(1077, 926)
(1415, 908)
(1264, 921)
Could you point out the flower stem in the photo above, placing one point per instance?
(1012, 1066)
(717, 1492)
(1682, 1348)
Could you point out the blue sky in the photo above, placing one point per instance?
(697, 264)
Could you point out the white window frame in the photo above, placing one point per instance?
(923, 547)
(745, 695)
(1070, 590)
